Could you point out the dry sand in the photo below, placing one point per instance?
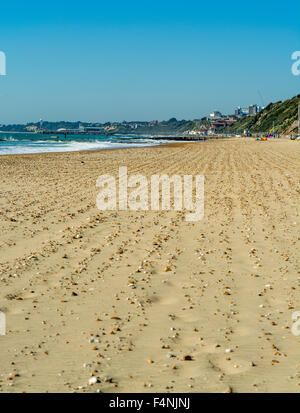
(145, 301)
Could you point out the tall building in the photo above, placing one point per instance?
(254, 109)
(240, 112)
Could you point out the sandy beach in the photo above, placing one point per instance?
(124, 301)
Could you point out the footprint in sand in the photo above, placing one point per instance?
(234, 366)
(167, 300)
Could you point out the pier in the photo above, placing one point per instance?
(159, 137)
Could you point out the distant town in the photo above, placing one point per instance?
(208, 125)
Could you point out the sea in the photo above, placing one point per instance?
(29, 143)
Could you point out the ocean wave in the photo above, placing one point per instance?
(15, 147)
(8, 139)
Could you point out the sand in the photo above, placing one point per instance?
(145, 301)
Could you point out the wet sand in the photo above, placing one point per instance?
(144, 301)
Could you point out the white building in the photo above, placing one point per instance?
(215, 115)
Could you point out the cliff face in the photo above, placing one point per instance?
(286, 112)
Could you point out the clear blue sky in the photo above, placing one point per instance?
(129, 60)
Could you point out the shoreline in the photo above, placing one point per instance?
(90, 150)
(160, 145)
(166, 144)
